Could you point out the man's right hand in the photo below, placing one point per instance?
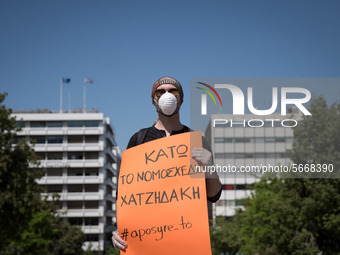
(117, 242)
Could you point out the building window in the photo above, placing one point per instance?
(280, 139)
(289, 139)
(219, 155)
(75, 188)
(91, 171)
(37, 139)
(75, 155)
(228, 187)
(219, 139)
(109, 205)
(259, 139)
(109, 221)
(54, 155)
(92, 238)
(223, 140)
(109, 175)
(245, 155)
(109, 190)
(240, 155)
(109, 144)
(41, 155)
(260, 155)
(75, 123)
(242, 140)
(253, 140)
(91, 204)
(109, 160)
(240, 186)
(54, 124)
(91, 139)
(91, 221)
(54, 139)
(54, 188)
(21, 124)
(75, 139)
(54, 172)
(18, 139)
(91, 155)
(228, 202)
(239, 202)
(237, 187)
(269, 139)
(74, 171)
(270, 155)
(38, 124)
(91, 187)
(74, 204)
(91, 123)
(76, 221)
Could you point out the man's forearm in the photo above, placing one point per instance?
(213, 186)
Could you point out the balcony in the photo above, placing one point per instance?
(92, 229)
(84, 213)
(85, 179)
(54, 163)
(49, 196)
(111, 184)
(108, 151)
(110, 198)
(84, 146)
(52, 180)
(75, 196)
(112, 167)
(84, 131)
(86, 162)
(110, 213)
(95, 246)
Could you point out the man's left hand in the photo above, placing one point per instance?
(202, 156)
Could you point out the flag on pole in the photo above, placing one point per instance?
(66, 80)
(88, 80)
(62, 81)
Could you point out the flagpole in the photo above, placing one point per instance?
(84, 98)
(69, 101)
(86, 80)
(61, 95)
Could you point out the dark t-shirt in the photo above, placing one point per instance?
(153, 133)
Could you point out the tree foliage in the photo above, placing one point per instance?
(294, 215)
(28, 223)
(224, 235)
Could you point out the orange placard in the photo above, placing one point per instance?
(161, 209)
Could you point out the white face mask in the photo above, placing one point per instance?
(168, 103)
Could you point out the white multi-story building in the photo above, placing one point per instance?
(246, 141)
(81, 158)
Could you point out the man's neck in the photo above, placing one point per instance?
(168, 124)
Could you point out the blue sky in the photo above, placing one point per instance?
(127, 45)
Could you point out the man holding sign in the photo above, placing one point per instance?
(169, 167)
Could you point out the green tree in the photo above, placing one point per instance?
(295, 215)
(67, 239)
(224, 235)
(28, 224)
(112, 251)
(300, 215)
